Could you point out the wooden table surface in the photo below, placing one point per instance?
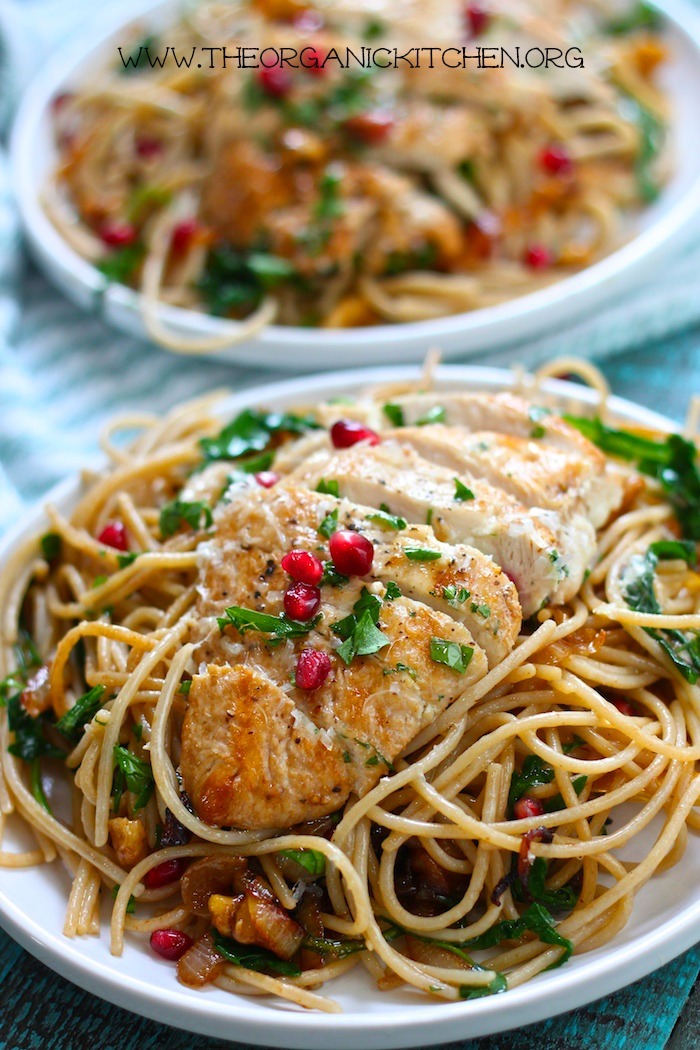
(41, 1011)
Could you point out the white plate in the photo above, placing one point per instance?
(665, 920)
(662, 230)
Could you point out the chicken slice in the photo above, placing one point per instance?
(268, 523)
(545, 558)
(536, 474)
(257, 752)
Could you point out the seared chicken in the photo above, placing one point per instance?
(544, 558)
(478, 510)
(260, 752)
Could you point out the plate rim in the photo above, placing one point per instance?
(426, 1023)
(535, 312)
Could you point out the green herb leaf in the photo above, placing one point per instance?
(392, 591)
(310, 859)
(672, 550)
(122, 263)
(365, 639)
(251, 432)
(386, 519)
(639, 16)
(83, 711)
(494, 987)
(234, 282)
(36, 785)
(332, 577)
(131, 906)
(534, 773)
(29, 741)
(50, 546)
(421, 554)
(399, 668)
(124, 560)
(137, 775)
(253, 958)
(537, 920)
(681, 647)
(333, 949)
(329, 525)
(462, 493)
(394, 413)
(455, 596)
(452, 654)
(250, 620)
(180, 512)
(328, 488)
(673, 462)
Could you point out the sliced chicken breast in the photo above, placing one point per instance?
(545, 559)
(257, 751)
(536, 474)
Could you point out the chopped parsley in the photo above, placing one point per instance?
(392, 591)
(386, 519)
(180, 512)
(50, 546)
(401, 668)
(481, 610)
(462, 493)
(328, 488)
(360, 631)
(421, 554)
(455, 596)
(451, 654)
(234, 282)
(251, 620)
(124, 560)
(329, 525)
(394, 413)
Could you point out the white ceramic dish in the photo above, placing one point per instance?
(665, 921)
(661, 230)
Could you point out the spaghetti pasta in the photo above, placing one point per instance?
(492, 849)
(321, 194)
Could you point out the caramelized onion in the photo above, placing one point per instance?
(201, 963)
(207, 876)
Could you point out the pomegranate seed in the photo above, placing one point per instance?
(477, 19)
(170, 944)
(313, 667)
(148, 147)
(527, 807)
(312, 61)
(556, 160)
(537, 257)
(275, 81)
(59, 101)
(372, 127)
(267, 478)
(118, 234)
(303, 567)
(308, 21)
(114, 535)
(347, 432)
(625, 708)
(183, 234)
(302, 602)
(165, 873)
(351, 553)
